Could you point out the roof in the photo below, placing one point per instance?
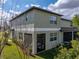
(30, 9)
(66, 19)
(68, 29)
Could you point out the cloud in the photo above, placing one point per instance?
(27, 6)
(7, 16)
(14, 12)
(51, 7)
(44, 7)
(66, 7)
(4, 16)
(0, 8)
(3, 1)
(35, 5)
(71, 12)
(17, 6)
(66, 3)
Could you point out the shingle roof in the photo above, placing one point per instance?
(66, 19)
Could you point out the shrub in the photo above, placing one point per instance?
(71, 53)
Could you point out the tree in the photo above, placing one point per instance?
(71, 53)
(75, 21)
(4, 36)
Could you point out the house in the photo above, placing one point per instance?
(42, 29)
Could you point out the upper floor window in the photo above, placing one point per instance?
(26, 18)
(53, 36)
(53, 20)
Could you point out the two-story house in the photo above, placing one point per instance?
(42, 29)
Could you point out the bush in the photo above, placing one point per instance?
(71, 53)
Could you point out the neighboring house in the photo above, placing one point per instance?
(42, 29)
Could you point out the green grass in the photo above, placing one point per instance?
(11, 52)
(50, 54)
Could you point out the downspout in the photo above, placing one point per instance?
(72, 31)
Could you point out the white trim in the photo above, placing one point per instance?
(38, 29)
(72, 35)
(47, 29)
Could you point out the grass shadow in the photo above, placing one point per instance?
(49, 54)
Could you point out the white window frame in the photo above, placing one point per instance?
(53, 19)
(53, 36)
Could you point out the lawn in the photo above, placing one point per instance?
(12, 52)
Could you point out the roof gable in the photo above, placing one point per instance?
(30, 9)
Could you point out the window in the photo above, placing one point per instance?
(53, 20)
(53, 36)
(21, 36)
(26, 18)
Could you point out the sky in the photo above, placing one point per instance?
(68, 8)
(23, 4)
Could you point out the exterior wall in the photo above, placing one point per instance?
(22, 29)
(42, 20)
(65, 23)
(52, 44)
(48, 44)
(21, 21)
(21, 25)
(25, 28)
